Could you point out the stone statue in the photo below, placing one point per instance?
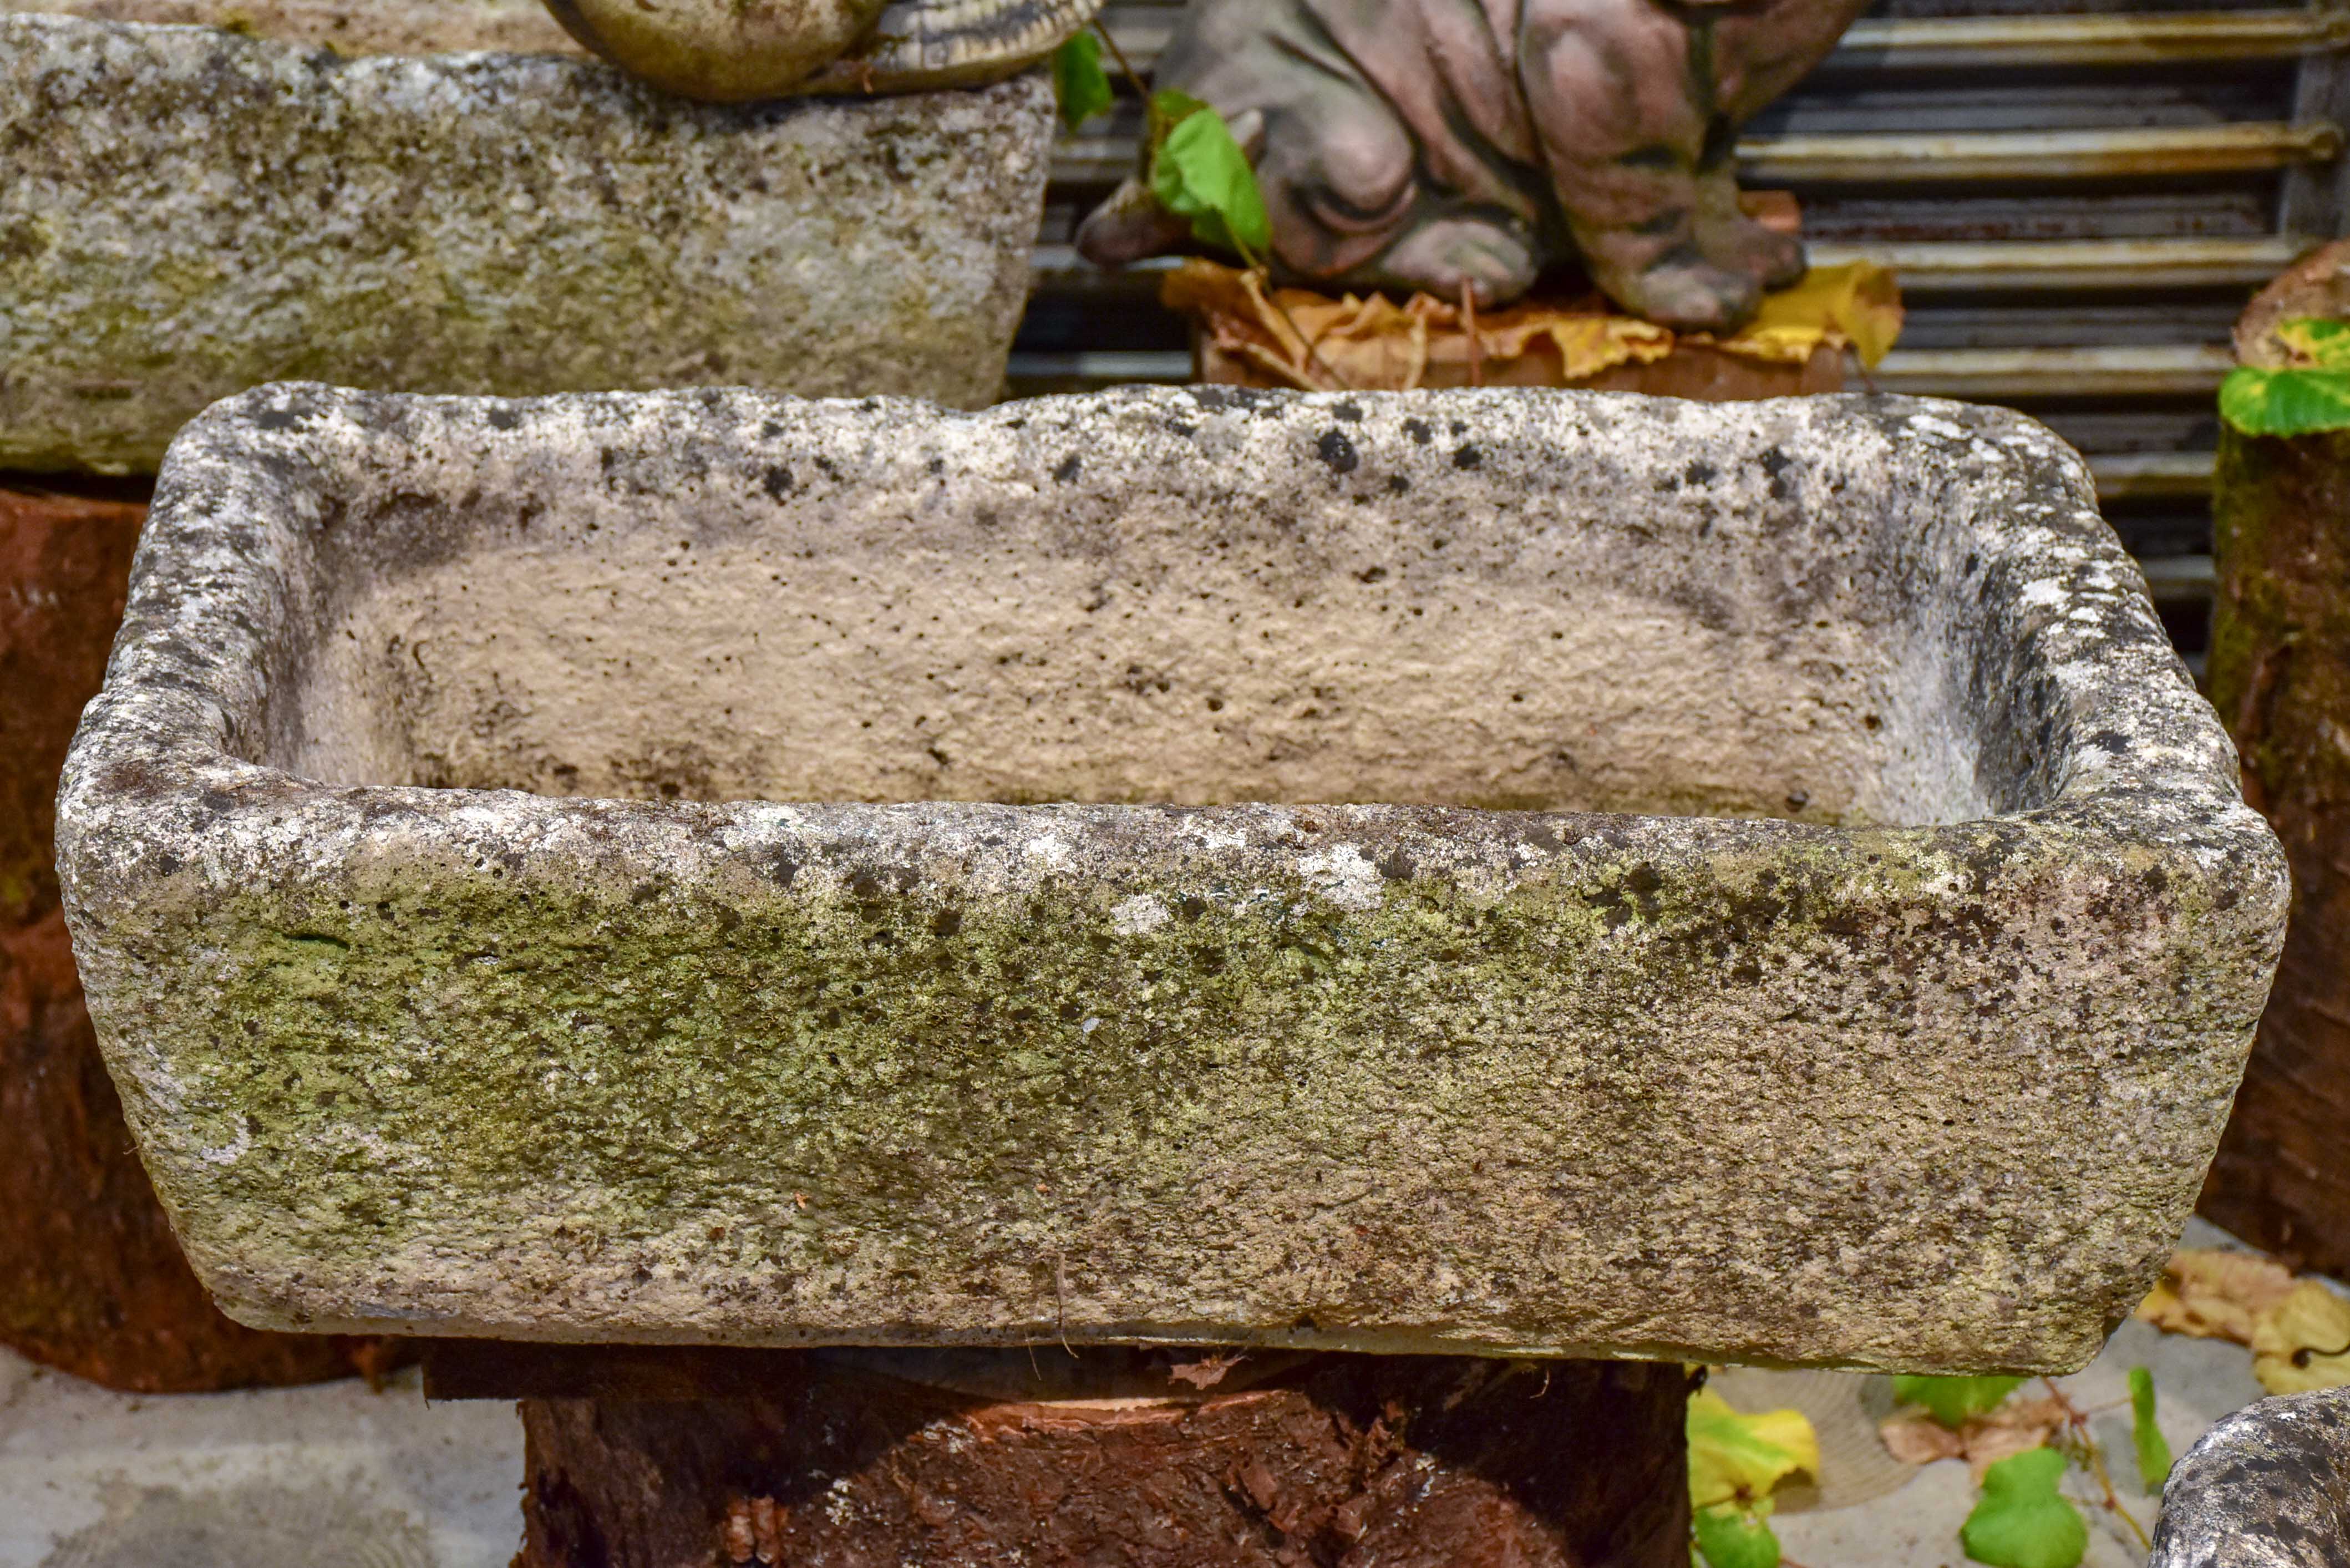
(1462, 145)
(726, 51)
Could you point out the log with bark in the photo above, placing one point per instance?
(2279, 674)
(1145, 1458)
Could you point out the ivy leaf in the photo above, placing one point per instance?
(2153, 1449)
(1732, 1537)
(1080, 80)
(1950, 1400)
(2021, 1522)
(1197, 171)
(2285, 402)
(1735, 1458)
(2323, 343)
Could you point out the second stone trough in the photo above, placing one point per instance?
(189, 212)
(1502, 873)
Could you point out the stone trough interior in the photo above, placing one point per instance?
(1706, 644)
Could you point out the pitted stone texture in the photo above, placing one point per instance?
(2267, 1488)
(346, 27)
(1124, 1030)
(188, 214)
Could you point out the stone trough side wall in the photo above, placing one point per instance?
(189, 212)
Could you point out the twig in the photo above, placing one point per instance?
(2075, 1419)
(1469, 322)
(1125, 67)
(1271, 297)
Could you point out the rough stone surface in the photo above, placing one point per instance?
(2267, 1488)
(346, 27)
(188, 214)
(1794, 904)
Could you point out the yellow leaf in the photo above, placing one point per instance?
(2213, 1294)
(2303, 1341)
(1736, 1457)
(1858, 302)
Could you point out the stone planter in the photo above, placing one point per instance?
(2267, 1488)
(1810, 915)
(188, 214)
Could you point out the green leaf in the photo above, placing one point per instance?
(2153, 1450)
(1736, 1457)
(1732, 1537)
(2323, 343)
(1197, 171)
(1079, 78)
(2021, 1522)
(1166, 110)
(1950, 1400)
(2285, 402)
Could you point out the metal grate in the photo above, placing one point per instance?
(2079, 196)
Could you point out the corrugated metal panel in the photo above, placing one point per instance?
(2079, 195)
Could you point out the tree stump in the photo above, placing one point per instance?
(1141, 1459)
(2279, 675)
(90, 1277)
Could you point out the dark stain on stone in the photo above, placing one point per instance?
(1247, 399)
(1336, 450)
(1070, 467)
(1468, 457)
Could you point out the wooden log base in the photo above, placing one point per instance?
(2281, 679)
(852, 1459)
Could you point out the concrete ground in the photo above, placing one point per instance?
(338, 1476)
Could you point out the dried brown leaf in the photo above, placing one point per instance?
(1918, 1439)
(1203, 1374)
(1371, 343)
(2212, 1294)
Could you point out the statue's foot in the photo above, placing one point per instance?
(1129, 227)
(1686, 294)
(1736, 243)
(1491, 261)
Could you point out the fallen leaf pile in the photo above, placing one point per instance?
(2298, 1331)
(1371, 343)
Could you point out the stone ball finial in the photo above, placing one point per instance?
(736, 51)
(721, 51)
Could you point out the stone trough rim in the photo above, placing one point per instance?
(2172, 702)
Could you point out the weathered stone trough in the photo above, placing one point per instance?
(2269, 1486)
(188, 214)
(1499, 872)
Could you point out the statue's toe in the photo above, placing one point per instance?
(1492, 262)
